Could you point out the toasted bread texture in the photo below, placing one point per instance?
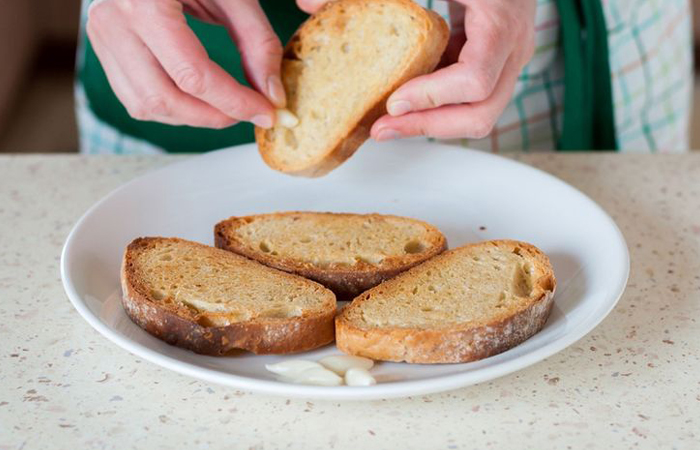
(212, 301)
(466, 304)
(338, 71)
(347, 253)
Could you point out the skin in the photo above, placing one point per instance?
(465, 97)
(161, 72)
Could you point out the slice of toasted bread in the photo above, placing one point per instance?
(212, 301)
(348, 253)
(338, 71)
(466, 304)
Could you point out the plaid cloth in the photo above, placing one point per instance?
(97, 137)
(650, 45)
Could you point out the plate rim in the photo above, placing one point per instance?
(380, 391)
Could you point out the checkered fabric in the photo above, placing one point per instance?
(650, 46)
(98, 138)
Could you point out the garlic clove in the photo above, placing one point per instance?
(292, 367)
(286, 118)
(357, 376)
(317, 376)
(341, 363)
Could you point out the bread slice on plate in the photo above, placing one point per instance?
(212, 301)
(348, 253)
(338, 71)
(466, 304)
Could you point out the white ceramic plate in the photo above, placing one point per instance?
(471, 196)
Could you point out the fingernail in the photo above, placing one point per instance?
(262, 120)
(399, 107)
(387, 134)
(275, 90)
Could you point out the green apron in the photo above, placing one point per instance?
(588, 107)
(589, 119)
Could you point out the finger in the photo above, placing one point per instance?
(145, 89)
(471, 79)
(185, 60)
(259, 46)
(474, 120)
(311, 6)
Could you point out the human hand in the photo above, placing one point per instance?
(466, 97)
(492, 41)
(161, 72)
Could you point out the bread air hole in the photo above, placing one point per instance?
(264, 247)
(548, 284)
(427, 309)
(166, 257)
(290, 139)
(157, 295)
(413, 247)
(205, 322)
(522, 284)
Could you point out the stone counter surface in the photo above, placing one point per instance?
(633, 382)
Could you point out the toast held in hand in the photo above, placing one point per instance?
(338, 71)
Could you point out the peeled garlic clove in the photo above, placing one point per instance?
(341, 363)
(357, 376)
(292, 367)
(317, 376)
(286, 118)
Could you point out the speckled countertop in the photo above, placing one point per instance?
(634, 382)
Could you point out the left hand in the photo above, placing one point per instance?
(492, 40)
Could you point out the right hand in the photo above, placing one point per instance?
(161, 72)
(491, 41)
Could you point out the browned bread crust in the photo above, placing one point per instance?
(179, 325)
(462, 342)
(427, 56)
(345, 281)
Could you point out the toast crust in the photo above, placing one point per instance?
(345, 282)
(179, 326)
(459, 343)
(423, 62)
